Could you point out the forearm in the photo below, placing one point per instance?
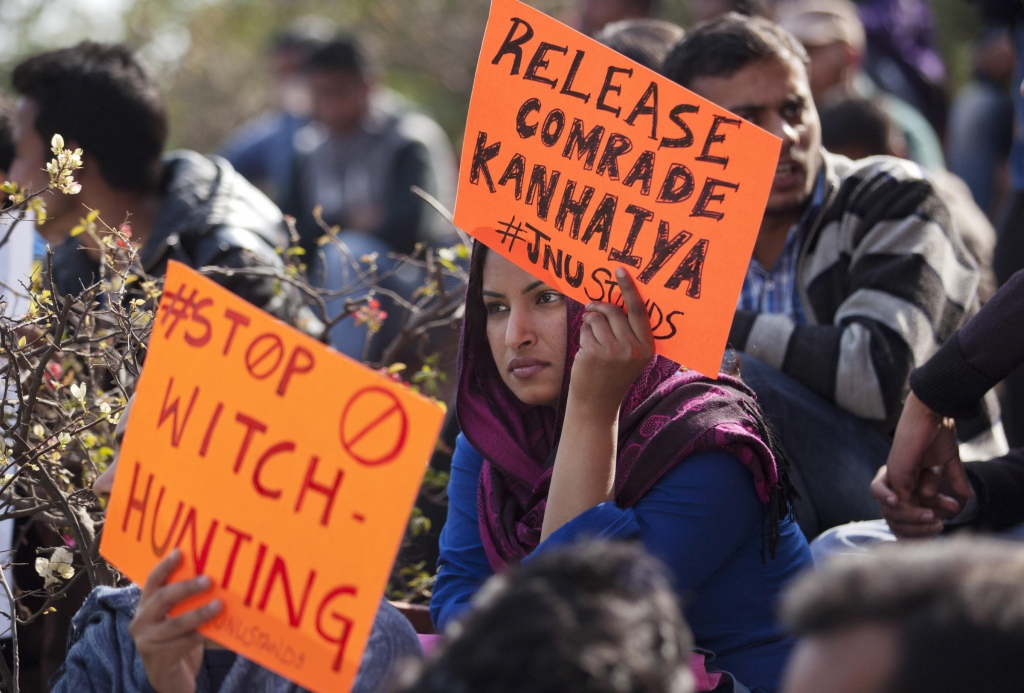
(584, 471)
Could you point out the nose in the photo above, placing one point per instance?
(104, 483)
(519, 331)
(784, 130)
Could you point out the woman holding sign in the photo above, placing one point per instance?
(572, 427)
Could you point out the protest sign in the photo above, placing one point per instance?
(578, 161)
(283, 470)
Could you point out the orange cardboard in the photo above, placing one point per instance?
(283, 470)
(578, 161)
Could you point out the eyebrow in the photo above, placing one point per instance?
(531, 287)
(494, 294)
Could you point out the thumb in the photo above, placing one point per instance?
(958, 480)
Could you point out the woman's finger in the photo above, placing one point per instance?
(617, 321)
(159, 575)
(187, 622)
(909, 514)
(602, 331)
(916, 531)
(880, 490)
(167, 597)
(168, 650)
(636, 311)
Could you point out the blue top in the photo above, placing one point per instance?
(702, 519)
(262, 150)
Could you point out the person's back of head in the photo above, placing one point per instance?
(304, 36)
(942, 617)
(599, 617)
(722, 47)
(646, 41)
(102, 99)
(857, 127)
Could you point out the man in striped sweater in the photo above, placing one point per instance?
(858, 275)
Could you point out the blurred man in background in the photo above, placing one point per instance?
(262, 150)
(357, 162)
(833, 35)
(980, 126)
(859, 128)
(646, 41)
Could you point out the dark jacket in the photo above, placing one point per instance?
(953, 381)
(209, 216)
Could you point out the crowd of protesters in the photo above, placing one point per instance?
(741, 534)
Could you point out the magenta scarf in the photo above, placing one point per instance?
(667, 416)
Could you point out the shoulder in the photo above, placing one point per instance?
(878, 181)
(715, 470)
(466, 457)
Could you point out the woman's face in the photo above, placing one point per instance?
(526, 331)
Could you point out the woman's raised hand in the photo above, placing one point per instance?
(615, 347)
(171, 649)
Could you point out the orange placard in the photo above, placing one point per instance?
(282, 469)
(578, 161)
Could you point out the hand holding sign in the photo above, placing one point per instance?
(283, 471)
(615, 347)
(171, 649)
(579, 161)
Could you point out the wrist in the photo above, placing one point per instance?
(592, 409)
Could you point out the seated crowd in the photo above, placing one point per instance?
(616, 523)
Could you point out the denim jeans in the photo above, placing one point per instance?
(834, 454)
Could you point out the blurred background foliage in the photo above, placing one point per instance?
(211, 58)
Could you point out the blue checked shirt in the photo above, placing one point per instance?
(774, 291)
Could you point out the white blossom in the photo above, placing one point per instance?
(57, 567)
(79, 392)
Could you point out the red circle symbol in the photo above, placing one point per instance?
(373, 426)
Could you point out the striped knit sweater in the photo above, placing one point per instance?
(884, 279)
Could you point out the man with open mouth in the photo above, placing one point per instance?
(858, 275)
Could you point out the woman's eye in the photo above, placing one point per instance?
(493, 308)
(549, 297)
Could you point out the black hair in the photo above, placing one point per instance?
(598, 617)
(8, 114)
(102, 98)
(344, 54)
(646, 41)
(723, 46)
(956, 607)
(305, 35)
(855, 122)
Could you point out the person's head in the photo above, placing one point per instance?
(757, 70)
(646, 41)
(596, 14)
(99, 98)
(341, 78)
(599, 617)
(857, 127)
(940, 617)
(833, 35)
(526, 327)
(8, 115)
(289, 51)
(104, 483)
